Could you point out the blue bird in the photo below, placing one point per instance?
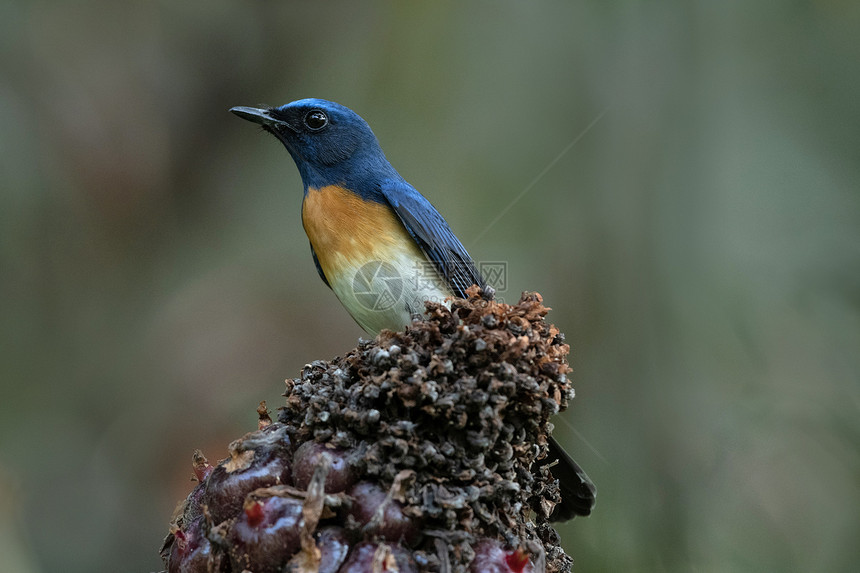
(376, 241)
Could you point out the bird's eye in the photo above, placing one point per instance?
(316, 120)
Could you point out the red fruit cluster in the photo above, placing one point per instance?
(414, 452)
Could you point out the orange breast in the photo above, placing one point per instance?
(347, 231)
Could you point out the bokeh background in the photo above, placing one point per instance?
(688, 174)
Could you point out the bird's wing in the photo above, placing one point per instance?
(435, 238)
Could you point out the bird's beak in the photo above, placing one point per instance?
(261, 116)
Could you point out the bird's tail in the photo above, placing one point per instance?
(577, 490)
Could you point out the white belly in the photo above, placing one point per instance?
(385, 294)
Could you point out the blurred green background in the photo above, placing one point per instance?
(699, 244)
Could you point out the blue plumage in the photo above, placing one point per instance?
(434, 237)
(345, 152)
(334, 146)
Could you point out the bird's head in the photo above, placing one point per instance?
(330, 143)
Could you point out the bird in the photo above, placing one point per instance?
(378, 243)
